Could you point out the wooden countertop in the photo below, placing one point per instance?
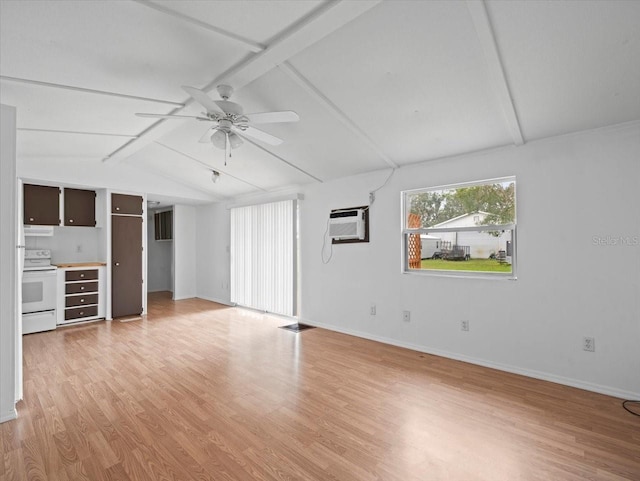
(81, 264)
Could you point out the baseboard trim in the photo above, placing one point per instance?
(543, 376)
(216, 300)
(183, 298)
(9, 416)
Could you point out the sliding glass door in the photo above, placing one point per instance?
(263, 256)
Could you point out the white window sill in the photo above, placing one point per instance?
(498, 276)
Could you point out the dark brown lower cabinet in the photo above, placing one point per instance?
(80, 313)
(126, 267)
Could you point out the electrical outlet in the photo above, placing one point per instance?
(589, 344)
(406, 316)
(79, 248)
(372, 310)
(464, 325)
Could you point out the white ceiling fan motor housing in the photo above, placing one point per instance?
(225, 92)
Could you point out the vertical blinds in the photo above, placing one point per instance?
(263, 256)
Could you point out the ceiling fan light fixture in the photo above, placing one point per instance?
(234, 140)
(218, 139)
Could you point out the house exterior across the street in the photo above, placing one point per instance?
(482, 245)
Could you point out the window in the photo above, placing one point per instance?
(464, 229)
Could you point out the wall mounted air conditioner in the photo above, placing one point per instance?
(347, 224)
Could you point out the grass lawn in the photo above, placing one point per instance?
(481, 265)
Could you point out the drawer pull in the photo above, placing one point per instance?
(81, 300)
(81, 275)
(82, 313)
(30, 219)
(71, 221)
(117, 208)
(82, 288)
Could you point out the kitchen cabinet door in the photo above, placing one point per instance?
(126, 204)
(79, 207)
(41, 205)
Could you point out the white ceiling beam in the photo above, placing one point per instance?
(276, 156)
(333, 109)
(105, 134)
(89, 91)
(159, 172)
(244, 42)
(495, 68)
(207, 166)
(318, 24)
(324, 20)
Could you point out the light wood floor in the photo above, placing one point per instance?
(198, 391)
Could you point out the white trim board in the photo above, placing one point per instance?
(9, 416)
(216, 300)
(543, 376)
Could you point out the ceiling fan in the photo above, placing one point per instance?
(230, 123)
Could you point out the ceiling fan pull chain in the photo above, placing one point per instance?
(226, 146)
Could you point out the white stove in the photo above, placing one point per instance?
(37, 260)
(39, 280)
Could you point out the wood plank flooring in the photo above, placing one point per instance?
(199, 391)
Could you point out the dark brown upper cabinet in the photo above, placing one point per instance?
(163, 225)
(79, 207)
(126, 204)
(41, 205)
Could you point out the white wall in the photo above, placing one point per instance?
(212, 246)
(159, 258)
(582, 187)
(66, 241)
(184, 251)
(8, 260)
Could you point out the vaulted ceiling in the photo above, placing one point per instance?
(377, 84)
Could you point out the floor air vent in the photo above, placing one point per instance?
(297, 327)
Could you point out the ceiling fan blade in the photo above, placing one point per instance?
(168, 116)
(260, 135)
(203, 99)
(206, 138)
(273, 117)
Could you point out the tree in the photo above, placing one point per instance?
(429, 206)
(498, 200)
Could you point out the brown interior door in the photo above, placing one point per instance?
(126, 267)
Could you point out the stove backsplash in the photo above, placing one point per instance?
(70, 244)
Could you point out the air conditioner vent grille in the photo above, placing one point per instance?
(347, 225)
(341, 230)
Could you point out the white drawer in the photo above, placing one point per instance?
(38, 322)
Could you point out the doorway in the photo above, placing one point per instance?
(264, 257)
(160, 250)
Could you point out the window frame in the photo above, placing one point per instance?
(405, 232)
